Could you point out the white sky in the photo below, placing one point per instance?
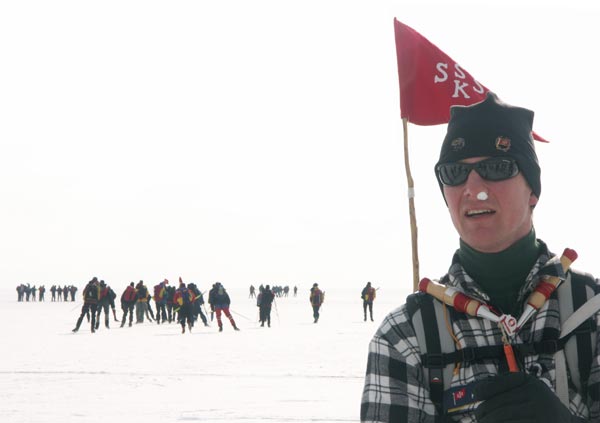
(260, 141)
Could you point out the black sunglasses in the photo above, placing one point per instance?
(492, 169)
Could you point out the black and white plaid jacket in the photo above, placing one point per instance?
(395, 388)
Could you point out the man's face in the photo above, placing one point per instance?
(495, 223)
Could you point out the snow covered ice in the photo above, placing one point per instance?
(295, 371)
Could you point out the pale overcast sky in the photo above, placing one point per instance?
(260, 141)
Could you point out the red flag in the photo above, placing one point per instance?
(430, 81)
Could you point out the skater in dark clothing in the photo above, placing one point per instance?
(198, 302)
(112, 295)
(72, 290)
(211, 300)
(170, 295)
(91, 293)
(141, 305)
(261, 289)
(221, 302)
(368, 296)
(103, 304)
(316, 300)
(160, 299)
(128, 299)
(20, 292)
(184, 300)
(266, 301)
(252, 292)
(149, 311)
(201, 306)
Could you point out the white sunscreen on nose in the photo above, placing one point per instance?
(482, 196)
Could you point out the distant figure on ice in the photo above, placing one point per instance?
(27, 292)
(160, 299)
(103, 304)
(41, 291)
(252, 292)
(106, 300)
(20, 292)
(128, 299)
(198, 302)
(170, 295)
(141, 306)
(211, 300)
(149, 312)
(72, 290)
(316, 300)
(266, 300)
(221, 303)
(184, 300)
(261, 289)
(295, 290)
(91, 293)
(112, 295)
(368, 295)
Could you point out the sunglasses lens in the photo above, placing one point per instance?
(494, 169)
(497, 169)
(453, 174)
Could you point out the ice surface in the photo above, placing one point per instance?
(295, 371)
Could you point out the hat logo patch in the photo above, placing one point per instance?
(457, 144)
(503, 144)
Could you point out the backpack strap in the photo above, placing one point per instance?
(427, 319)
(579, 301)
(578, 304)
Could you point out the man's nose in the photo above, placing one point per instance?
(474, 184)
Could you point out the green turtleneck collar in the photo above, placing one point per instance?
(501, 275)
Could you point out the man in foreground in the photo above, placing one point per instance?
(490, 180)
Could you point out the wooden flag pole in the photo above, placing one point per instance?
(411, 208)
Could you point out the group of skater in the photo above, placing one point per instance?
(28, 292)
(266, 298)
(278, 290)
(185, 304)
(188, 301)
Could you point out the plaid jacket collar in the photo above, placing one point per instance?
(547, 264)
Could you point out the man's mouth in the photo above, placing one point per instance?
(475, 213)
